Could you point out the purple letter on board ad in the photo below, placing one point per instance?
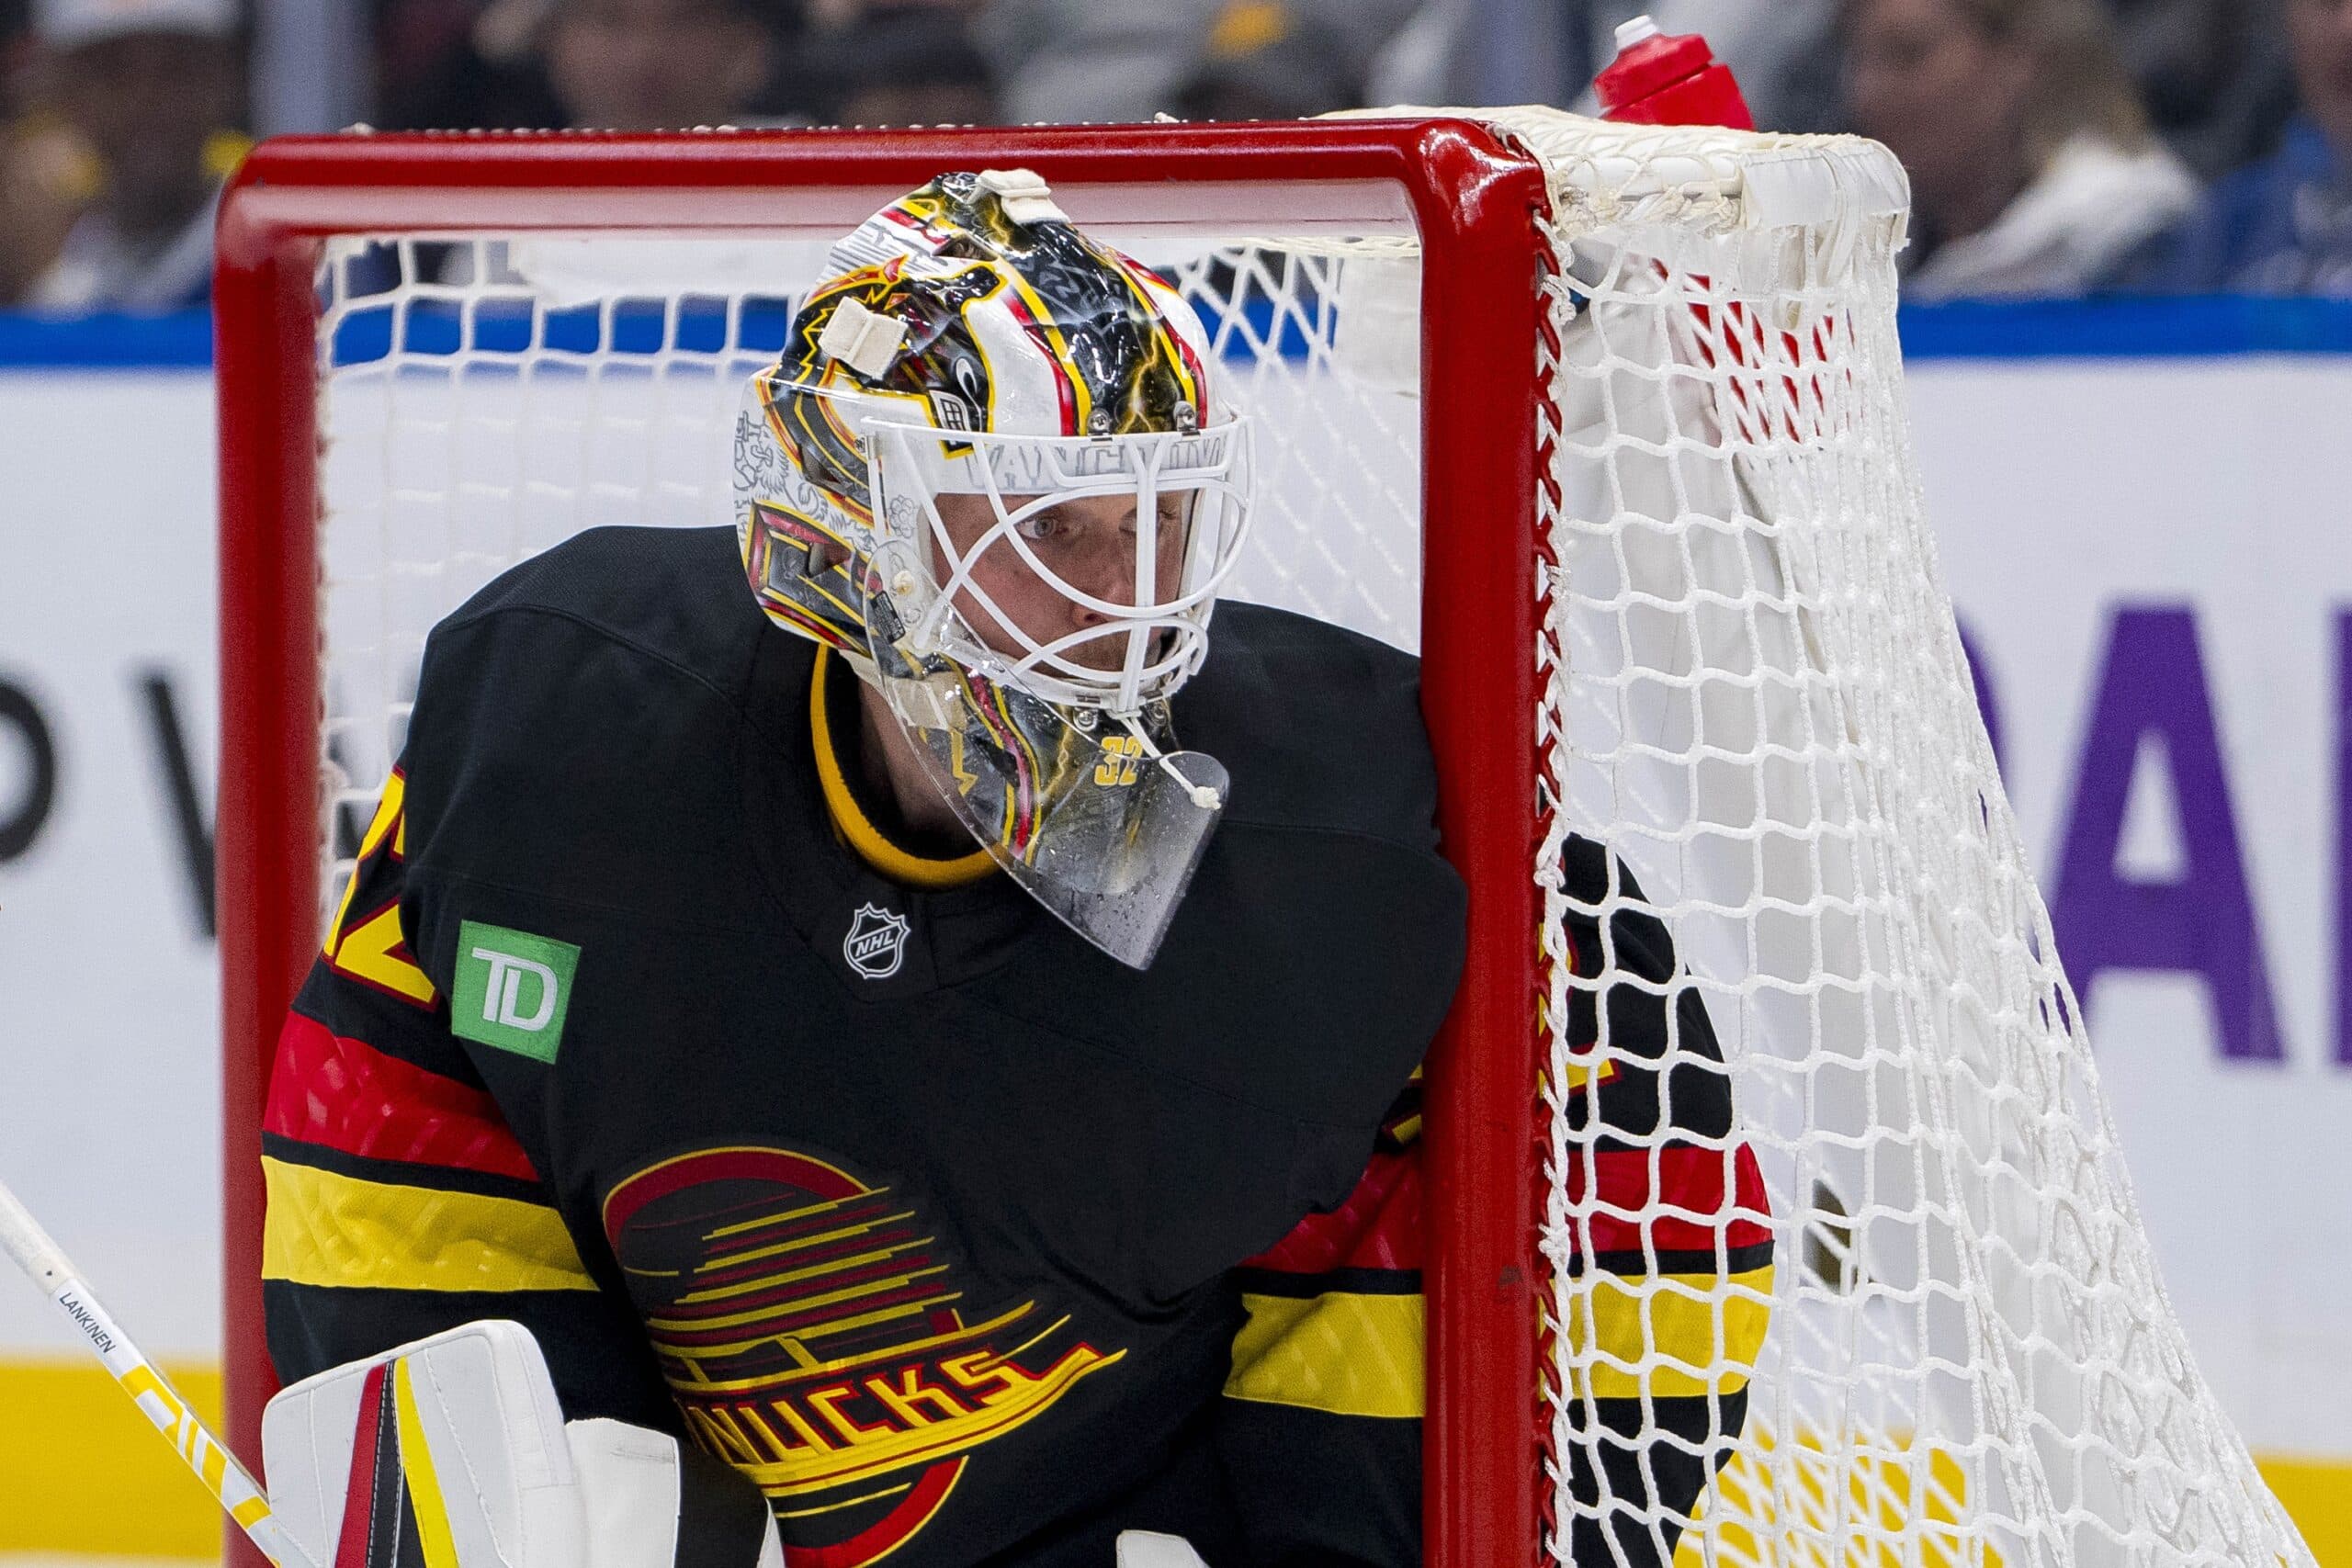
(2203, 921)
(2344, 835)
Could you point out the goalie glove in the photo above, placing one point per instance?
(453, 1451)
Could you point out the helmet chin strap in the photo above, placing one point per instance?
(1203, 796)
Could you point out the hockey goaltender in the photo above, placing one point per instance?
(918, 1109)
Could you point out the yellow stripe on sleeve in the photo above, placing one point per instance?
(341, 1232)
(388, 815)
(1339, 1352)
(373, 954)
(1669, 1323)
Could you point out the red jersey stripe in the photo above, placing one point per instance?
(1691, 1180)
(1378, 1227)
(345, 1095)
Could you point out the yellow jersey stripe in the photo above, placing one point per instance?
(1339, 1352)
(388, 814)
(372, 953)
(341, 1232)
(1669, 1323)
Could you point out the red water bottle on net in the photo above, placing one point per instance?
(1661, 80)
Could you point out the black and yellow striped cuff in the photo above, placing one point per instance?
(331, 1229)
(1346, 1352)
(1666, 1336)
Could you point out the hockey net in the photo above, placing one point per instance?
(1750, 687)
(1756, 684)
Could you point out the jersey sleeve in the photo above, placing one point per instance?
(1320, 1428)
(400, 1203)
(1672, 1249)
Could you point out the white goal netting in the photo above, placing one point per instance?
(1754, 697)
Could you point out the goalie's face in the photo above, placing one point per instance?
(1081, 569)
(1091, 545)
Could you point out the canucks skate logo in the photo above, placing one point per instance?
(876, 943)
(821, 1334)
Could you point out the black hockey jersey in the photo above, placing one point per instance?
(914, 1207)
(959, 1242)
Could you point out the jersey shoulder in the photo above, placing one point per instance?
(673, 594)
(579, 724)
(1319, 726)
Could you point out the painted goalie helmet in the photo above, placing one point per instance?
(989, 471)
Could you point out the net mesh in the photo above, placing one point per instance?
(1753, 695)
(1756, 694)
(485, 398)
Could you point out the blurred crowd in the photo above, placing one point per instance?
(2056, 147)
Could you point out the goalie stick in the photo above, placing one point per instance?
(23, 1239)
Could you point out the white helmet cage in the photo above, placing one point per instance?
(1198, 482)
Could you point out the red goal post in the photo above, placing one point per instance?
(1472, 200)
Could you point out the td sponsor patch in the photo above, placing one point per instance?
(513, 988)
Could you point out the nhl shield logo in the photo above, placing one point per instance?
(876, 943)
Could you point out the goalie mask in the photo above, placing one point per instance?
(989, 472)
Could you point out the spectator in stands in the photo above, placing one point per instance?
(15, 40)
(48, 177)
(1126, 59)
(48, 174)
(149, 89)
(588, 64)
(1091, 60)
(462, 65)
(2283, 226)
(2213, 74)
(2034, 170)
(652, 64)
(907, 63)
(1264, 62)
